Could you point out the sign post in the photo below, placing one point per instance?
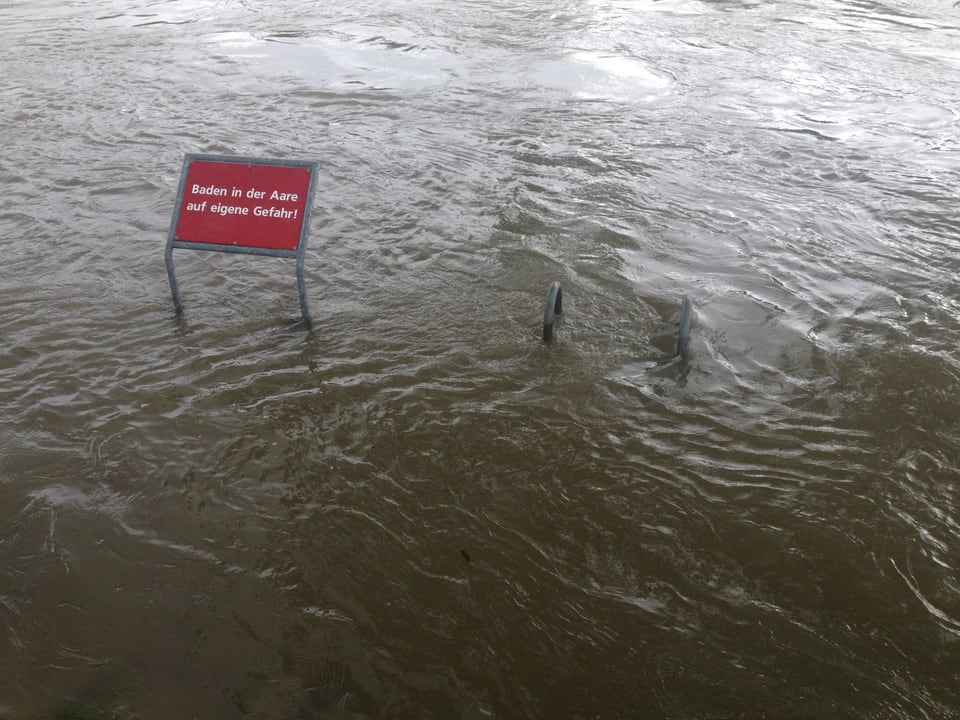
(255, 206)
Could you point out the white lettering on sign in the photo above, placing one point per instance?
(288, 197)
(208, 190)
(224, 210)
(274, 212)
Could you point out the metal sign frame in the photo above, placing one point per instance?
(173, 242)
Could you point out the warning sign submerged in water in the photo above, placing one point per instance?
(257, 206)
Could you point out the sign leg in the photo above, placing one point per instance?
(172, 276)
(302, 286)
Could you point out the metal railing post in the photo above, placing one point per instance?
(683, 330)
(553, 307)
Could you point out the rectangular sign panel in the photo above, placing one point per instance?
(243, 203)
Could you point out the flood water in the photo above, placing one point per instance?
(414, 508)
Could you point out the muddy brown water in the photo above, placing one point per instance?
(414, 509)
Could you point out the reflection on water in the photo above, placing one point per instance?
(414, 508)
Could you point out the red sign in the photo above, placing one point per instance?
(243, 204)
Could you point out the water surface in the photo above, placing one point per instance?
(414, 508)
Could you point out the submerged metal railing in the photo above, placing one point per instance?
(553, 307)
(683, 329)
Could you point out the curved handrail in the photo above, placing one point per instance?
(553, 306)
(683, 330)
